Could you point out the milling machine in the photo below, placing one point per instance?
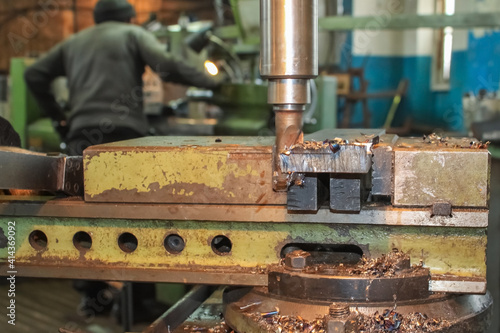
(337, 231)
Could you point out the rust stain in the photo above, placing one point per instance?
(260, 197)
(259, 208)
(234, 192)
(205, 177)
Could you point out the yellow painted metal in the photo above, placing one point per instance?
(155, 170)
(180, 171)
(458, 252)
(459, 176)
(460, 255)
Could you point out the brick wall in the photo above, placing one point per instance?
(32, 27)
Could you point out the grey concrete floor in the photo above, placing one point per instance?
(45, 305)
(493, 253)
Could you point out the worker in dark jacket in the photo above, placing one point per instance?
(104, 65)
(8, 136)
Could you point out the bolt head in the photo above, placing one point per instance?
(341, 319)
(297, 259)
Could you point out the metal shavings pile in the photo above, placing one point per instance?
(434, 138)
(419, 321)
(369, 138)
(446, 141)
(221, 328)
(313, 145)
(477, 144)
(273, 322)
(392, 321)
(295, 178)
(334, 145)
(387, 265)
(389, 321)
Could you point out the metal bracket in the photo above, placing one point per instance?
(441, 208)
(26, 170)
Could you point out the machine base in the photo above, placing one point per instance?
(258, 311)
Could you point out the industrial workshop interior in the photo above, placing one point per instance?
(244, 166)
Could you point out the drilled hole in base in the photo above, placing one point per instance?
(174, 244)
(82, 241)
(38, 240)
(127, 242)
(221, 245)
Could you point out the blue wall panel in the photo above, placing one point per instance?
(483, 57)
(473, 69)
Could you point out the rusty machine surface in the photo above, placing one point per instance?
(369, 220)
(336, 231)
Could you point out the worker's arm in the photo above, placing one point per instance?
(39, 77)
(168, 67)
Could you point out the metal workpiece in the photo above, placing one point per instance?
(256, 311)
(25, 170)
(331, 151)
(348, 159)
(358, 136)
(289, 39)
